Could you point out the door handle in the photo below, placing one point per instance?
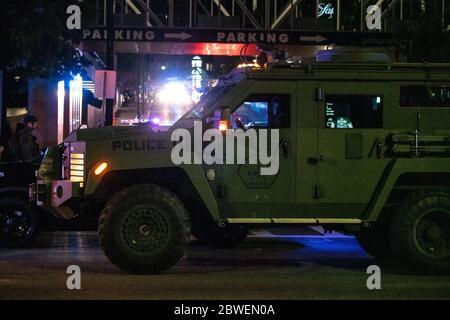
(378, 147)
(314, 161)
(285, 147)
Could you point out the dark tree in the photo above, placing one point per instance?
(429, 38)
(35, 39)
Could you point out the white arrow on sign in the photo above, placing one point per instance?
(181, 36)
(316, 39)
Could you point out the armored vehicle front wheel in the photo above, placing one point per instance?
(420, 232)
(144, 229)
(19, 223)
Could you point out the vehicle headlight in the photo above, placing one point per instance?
(77, 167)
(74, 161)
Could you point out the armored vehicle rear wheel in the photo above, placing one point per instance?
(144, 229)
(19, 223)
(420, 232)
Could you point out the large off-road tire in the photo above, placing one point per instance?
(19, 223)
(226, 237)
(420, 232)
(144, 229)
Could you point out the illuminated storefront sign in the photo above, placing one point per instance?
(75, 102)
(61, 97)
(325, 9)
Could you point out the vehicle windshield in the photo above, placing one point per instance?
(208, 101)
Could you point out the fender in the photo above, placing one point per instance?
(193, 172)
(200, 183)
(393, 171)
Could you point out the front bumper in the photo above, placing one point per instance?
(55, 196)
(37, 192)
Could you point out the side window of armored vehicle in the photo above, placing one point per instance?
(423, 96)
(354, 111)
(263, 111)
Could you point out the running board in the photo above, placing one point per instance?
(293, 221)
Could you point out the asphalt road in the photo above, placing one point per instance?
(270, 264)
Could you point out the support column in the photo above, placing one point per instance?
(338, 15)
(109, 106)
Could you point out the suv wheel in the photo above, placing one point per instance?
(144, 229)
(19, 223)
(420, 231)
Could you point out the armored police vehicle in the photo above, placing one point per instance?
(363, 144)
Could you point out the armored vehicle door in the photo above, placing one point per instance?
(264, 106)
(352, 127)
